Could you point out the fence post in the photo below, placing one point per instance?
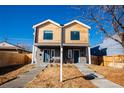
(103, 60)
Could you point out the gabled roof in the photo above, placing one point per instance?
(51, 21)
(7, 45)
(76, 21)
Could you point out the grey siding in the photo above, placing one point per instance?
(40, 54)
(83, 55)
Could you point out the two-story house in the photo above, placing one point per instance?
(50, 38)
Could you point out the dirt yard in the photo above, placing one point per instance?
(113, 74)
(14, 74)
(49, 78)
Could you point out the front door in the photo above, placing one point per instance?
(76, 56)
(46, 55)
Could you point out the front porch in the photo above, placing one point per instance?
(71, 54)
(75, 54)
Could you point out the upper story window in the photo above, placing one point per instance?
(75, 35)
(48, 35)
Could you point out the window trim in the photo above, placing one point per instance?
(75, 31)
(70, 55)
(48, 31)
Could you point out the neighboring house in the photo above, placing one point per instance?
(108, 47)
(6, 47)
(96, 51)
(72, 39)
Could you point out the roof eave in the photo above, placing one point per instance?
(78, 23)
(34, 26)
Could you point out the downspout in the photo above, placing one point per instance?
(33, 49)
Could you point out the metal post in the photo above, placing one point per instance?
(89, 55)
(61, 53)
(61, 64)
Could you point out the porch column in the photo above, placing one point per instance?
(33, 49)
(32, 54)
(89, 55)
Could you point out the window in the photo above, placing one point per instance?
(48, 35)
(53, 53)
(69, 53)
(75, 35)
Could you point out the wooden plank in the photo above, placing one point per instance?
(106, 60)
(7, 59)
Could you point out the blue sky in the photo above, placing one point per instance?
(16, 21)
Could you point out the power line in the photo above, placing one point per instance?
(21, 38)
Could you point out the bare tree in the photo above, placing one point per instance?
(108, 19)
(24, 46)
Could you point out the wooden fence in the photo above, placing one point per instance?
(106, 60)
(8, 59)
(97, 60)
(113, 59)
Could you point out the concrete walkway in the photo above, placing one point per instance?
(100, 81)
(24, 78)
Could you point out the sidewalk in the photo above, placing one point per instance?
(100, 81)
(24, 78)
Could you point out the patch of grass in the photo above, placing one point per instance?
(114, 74)
(49, 78)
(14, 74)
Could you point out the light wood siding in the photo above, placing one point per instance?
(76, 27)
(8, 59)
(49, 26)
